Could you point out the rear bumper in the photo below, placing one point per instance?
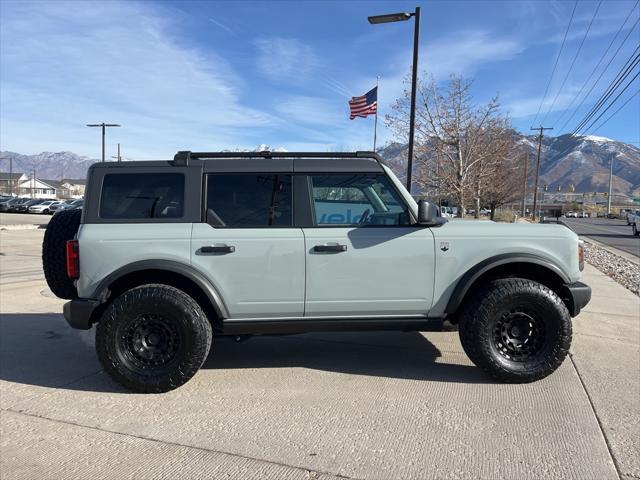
(578, 295)
(79, 313)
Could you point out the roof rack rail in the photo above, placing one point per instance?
(182, 157)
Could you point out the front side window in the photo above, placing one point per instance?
(142, 195)
(357, 200)
(256, 200)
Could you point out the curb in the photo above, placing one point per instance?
(24, 226)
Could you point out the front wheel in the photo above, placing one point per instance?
(516, 330)
(153, 338)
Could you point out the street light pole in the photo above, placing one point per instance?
(610, 187)
(103, 126)
(401, 17)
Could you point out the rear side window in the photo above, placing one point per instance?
(258, 200)
(142, 195)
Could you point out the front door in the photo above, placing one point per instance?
(249, 248)
(363, 255)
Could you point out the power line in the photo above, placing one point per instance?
(613, 101)
(555, 65)
(615, 37)
(614, 113)
(600, 76)
(573, 62)
(620, 77)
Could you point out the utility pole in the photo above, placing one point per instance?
(11, 176)
(33, 182)
(535, 188)
(610, 185)
(524, 186)
(103, 126)
(118, 158)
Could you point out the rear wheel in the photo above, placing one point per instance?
(516, 330)
(153, 338)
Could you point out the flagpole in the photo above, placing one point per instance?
(375, 125)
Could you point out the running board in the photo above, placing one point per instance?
(253, 326)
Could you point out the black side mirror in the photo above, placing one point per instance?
(429, 215)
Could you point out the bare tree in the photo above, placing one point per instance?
(459, 145)
(504, 185)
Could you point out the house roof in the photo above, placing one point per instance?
(6, 176)
(75, 181)
(53, 183)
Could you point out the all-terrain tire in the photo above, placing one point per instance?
(516, 330)
(61, 228)
(153, 338)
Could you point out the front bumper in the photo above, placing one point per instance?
(577, 296)
(79, 313)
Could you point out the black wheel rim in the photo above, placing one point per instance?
(149, 342)
(518, 335)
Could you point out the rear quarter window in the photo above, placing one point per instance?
(142, 195)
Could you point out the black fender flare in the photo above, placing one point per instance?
(468, 279)
(101, 292)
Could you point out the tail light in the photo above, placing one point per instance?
(581, 255)
(73, 259)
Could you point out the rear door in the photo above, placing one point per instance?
(364, 256)
(248, 245)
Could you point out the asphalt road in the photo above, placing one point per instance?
(318, 406)
(23, 219)
(612, 232)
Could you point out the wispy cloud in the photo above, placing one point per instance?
(66, 64)
(285, 59)
(463, 52)
(222, 26)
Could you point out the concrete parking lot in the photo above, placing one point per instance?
(361, 405)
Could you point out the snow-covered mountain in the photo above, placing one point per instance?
(583, 161)
(59, 165)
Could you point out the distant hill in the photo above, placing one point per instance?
(583, 161)
(54, 166)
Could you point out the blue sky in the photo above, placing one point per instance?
(211, 75)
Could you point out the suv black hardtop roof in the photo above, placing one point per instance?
(360, 160)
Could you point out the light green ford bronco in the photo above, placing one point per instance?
(167, 255)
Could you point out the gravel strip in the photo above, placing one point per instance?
(623, 271)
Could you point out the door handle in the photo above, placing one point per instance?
(330, 247)
(218, 249)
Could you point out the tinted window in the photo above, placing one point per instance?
(249, 200)
(142, 195)
(357, 199)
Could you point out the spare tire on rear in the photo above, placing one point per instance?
(62, 227)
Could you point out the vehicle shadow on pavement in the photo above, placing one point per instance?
(402, 355)
(40, 349)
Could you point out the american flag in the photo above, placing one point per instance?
(365, 105)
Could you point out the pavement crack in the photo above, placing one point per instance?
(595, 414)
(176, 444)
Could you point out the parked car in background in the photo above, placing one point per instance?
(584, 215)
(13, 208)
(43, 208)
(571, 214)
(633, 219)
(24, 207)
(75, 204)
(9, 204)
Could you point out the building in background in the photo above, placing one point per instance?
(37, 188)
(73, 187)
(9, 182)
